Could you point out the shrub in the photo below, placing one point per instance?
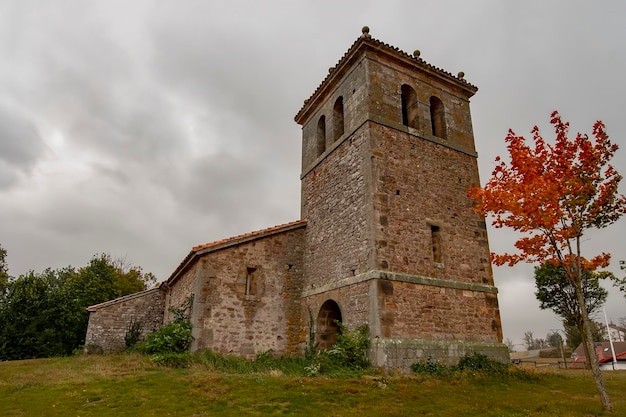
(351, 347)
(174, 337)
(481, 363)
(133, 333)
(431, 367)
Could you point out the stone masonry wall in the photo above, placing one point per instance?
(108, 322)
(420, 184)
(229, 321)
(409, 310)
(353, 89)
(386, 78)
(354, 303)
(336, 203)
(178, 294)
(397, 355)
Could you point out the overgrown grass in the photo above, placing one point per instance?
(133, 385)
(321, 364)
(169, 346)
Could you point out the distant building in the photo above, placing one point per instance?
(387, 235)
(618, 333)
(605, 355)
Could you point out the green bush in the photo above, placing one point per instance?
(481, 363)
(350, 350)
(174, 337)
(431, 367)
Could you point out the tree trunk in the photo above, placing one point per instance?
(587, 338)
(581, 331)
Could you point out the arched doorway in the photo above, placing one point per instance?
(326, 328)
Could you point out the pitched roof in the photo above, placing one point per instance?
(122, 299)
(228, 242)
(603, 350)
(366, 41)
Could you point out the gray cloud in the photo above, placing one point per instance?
(20, 146)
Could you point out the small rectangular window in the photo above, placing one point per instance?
(435, 232)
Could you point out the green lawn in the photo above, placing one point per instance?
(130, 385)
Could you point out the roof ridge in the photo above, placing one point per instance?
(122, 298)
(259, 232)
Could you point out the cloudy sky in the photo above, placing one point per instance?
(142, 128)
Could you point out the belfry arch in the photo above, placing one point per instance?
(326, 327)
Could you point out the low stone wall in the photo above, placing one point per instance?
(399, 354)
(109, 321)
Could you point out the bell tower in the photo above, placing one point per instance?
(391, 238)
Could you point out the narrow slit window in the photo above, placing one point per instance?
(435, 232)
(250, 281)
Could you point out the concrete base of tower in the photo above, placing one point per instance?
(397, 355)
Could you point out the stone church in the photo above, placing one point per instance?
(387, 235)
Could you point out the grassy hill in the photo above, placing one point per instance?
(130, 385)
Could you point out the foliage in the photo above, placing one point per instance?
(554, 339)
(350, 350)
(556, 292)
(265, 362)
(133, 333)
(4, 270)
(533, 344)
(182, 313)
(481, 363)
(347, 358)
(44, 314)
(431, 367)
(39, 318)
(174, 337)
(573, 336)
(620, 283)
(320, 364)
(553, 194)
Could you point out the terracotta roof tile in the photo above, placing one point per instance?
(249, 235)
(231, 241)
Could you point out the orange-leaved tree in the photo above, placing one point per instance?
(552, 194)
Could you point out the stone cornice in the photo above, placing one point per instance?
(394, 276)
